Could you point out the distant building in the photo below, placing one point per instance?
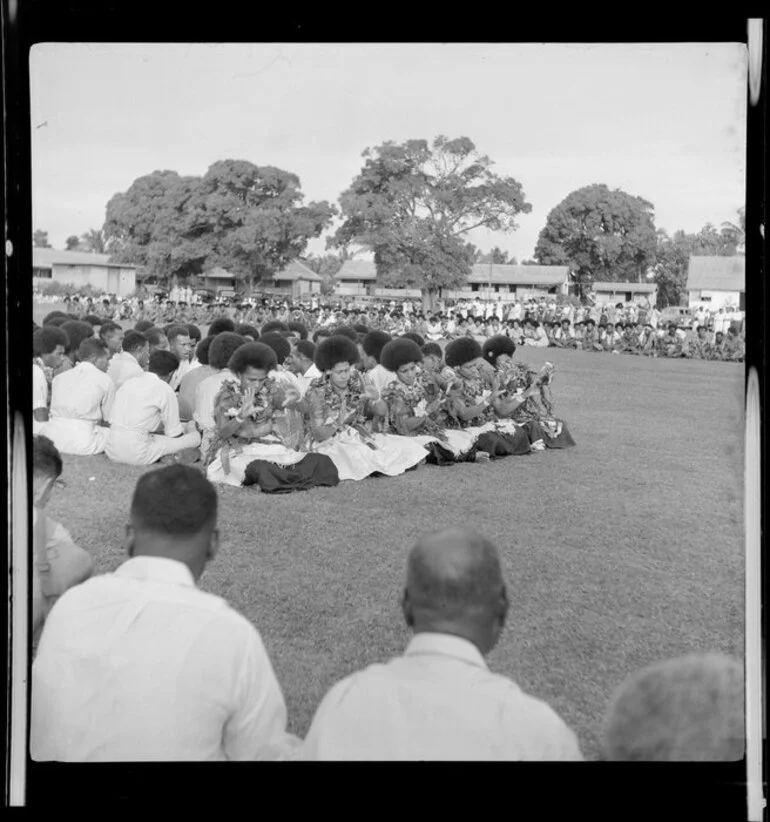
(358, 278)
(625, 292)
(294, 281)
(716, 282)
(79, 268)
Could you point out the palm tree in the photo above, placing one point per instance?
(94, 241)
(736, 234)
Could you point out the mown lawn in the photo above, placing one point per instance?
(624, 550)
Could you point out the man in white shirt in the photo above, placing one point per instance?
(301, 364)
(180, 345)
(142, 405)
(369, 350)
(196, 375)
(131, 361)
(440, 701)
(534, 334)
(224, 345)
(59, 562)
(81, 401)
(48, 346)
(141, 665)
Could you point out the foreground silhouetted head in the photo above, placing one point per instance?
(174, 516)
(455, 586)
(679, 710)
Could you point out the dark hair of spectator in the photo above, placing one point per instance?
(374, 342)
(177, 331)
(174, 501)
(134, 341)
(77, 332)
(334, 350)
(497, 345)
(45, 340)
(92, 347)
(321, 333)
(461, 351)
(274, 325)
(46, 459)
(305, 348)
(154, 335)
(53, 315)
(143, 325)
(300, 328)
(108, 328)
(432, 349)
(278, 343)
(398, 352)
(221, 324)
(246, 330)
(194, 332)
(414, 337)
(223, 346)
(345, 331)
(93, 319)
(202, 350)
(257, 355)
(163, 363)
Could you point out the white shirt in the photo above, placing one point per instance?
(380, 377)
(140, 665)
(185, 366)
(82, 393)
(206, 393)
(143, 403)
(39, 388)
(122, 367)
(304, 380)
(437, 702)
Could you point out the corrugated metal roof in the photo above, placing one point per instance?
(716, 274)
(297, 270)
(47, 257)
(499, 274)
(646, 288)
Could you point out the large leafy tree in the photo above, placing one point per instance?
(73, 242)
(94, 241)
(413, 205)
(602, 234)
(247, 219)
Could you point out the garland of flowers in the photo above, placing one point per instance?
(332, 401)
(416, 397)
(229, 400)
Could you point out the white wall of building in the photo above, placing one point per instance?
(714, 300)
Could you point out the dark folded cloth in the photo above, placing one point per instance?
(311, 471)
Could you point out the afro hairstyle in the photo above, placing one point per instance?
(305, 348)
(76, 332)
(299, 328)
(461, 351)
(143, 325)
(334, 350)
(195, 332)
(274, 325)
(415, 337)
(202, 350)
(246, 330)
(222, 347)
(278, 343)
(134, 341)
(345, 331)
(374, 342)
(432, 349)
(221, 324)
(257, 355)
(45, 340)
(321, 333)
(497, 345)
(52, 315)
(400, 352)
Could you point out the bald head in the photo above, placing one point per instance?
(455, 585)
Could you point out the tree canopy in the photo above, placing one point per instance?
(413, 205)
(602, 234)
(40, 239)
(247, 219)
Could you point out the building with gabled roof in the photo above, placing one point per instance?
(81, 268)
(716, 282)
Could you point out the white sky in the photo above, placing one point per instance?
(664, 122)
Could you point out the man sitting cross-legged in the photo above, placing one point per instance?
(440, 701)
(81, 401)
(141, 665)
(142, 405)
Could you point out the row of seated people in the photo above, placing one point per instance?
(637, 338)
(360, 406)
(141, 665)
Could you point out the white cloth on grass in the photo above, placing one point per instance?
(140, 665)
(437, 702)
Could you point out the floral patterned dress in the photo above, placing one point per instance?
(356, 451)
(228, 453)
(535, 414)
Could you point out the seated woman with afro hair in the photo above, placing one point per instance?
(244, 411)
(340, 409)
(470, 404)
(415, 404)
(524, 396)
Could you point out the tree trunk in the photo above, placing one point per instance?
(428, 300)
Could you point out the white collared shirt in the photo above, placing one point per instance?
(176, 378)
(82, 393)
(122, 367)
(140, 665)
(39, 388)
(206, 393)
(437, 702)
(143, 403)
(304, 380)
(380, 377)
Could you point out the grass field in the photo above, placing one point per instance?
(624, 550)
